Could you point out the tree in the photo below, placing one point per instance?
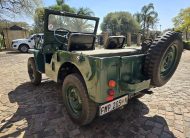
(22, 7)
(38, 21)
(147, 18)
(122, 22)
(182, 21)
(85, 11)
(63, 7)
(60, 6)
(60, 2)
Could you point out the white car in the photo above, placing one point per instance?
(27, 43)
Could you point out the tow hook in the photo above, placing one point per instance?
(147, 92)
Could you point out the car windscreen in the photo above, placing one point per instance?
(72, 24)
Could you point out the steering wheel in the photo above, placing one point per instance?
(65, 37)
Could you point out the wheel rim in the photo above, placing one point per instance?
(168, 61)
(24, 49)
(74, 100)
(31, 72)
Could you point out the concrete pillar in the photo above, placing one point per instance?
(128, 39)
(138, 39)
(148, 35)
(105, 37)
(118, 34)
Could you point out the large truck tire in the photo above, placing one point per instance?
(163, 57)
(81, 109)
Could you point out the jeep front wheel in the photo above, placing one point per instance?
(34, 75)
(80, 108)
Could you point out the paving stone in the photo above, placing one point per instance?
(39, 111)
(151, 136)
(74, 133)
(179, 127)
(169, 109)
(149, 123)
(156, 131)
(187, 119)
(158, 125)
(166, 135)
(187, 134)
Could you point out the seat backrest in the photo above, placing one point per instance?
(115, 42)
(79, 41)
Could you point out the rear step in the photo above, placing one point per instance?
(147, 92)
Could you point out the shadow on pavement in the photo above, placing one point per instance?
(45, 116)
(15, 52)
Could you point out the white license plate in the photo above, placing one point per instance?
(108, 107)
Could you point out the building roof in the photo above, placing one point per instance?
(15, 27)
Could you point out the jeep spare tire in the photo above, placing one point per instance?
(163, 58)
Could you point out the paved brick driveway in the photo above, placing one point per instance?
(29, 111)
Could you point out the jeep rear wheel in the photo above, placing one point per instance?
(80, 108)
(163, 58)
(34, 75)
(23, 48)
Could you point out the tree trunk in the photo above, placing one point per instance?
(186, 33)
(144, 28)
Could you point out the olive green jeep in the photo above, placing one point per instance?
(97, 81)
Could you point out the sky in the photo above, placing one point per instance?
(167, 9)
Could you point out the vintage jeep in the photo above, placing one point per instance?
(98, 81)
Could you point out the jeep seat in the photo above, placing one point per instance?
(80, 41)
(115, 42)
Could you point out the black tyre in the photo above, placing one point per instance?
(23, 48)
(34, 75)
(80, 108)
(163, 58)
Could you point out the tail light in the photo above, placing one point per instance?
(112, 84)
(111, 92)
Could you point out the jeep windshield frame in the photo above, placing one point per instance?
(50, 42)
(49, 13)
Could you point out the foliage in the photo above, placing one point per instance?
(147, 18)
(182, 21)
(60, 6)
(122, 22)
(22, 7)
(64, 7)
(72, 24)
(186, 45)
(38, 21)
(85, 11)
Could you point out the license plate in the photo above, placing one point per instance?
(108, 107)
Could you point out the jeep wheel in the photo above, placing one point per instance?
(163, 58)
(34, 75)
(80, 108)
(23, 48)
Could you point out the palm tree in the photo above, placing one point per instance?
(147, 17)
(138, 17)
(85, 11)
(60, 2)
